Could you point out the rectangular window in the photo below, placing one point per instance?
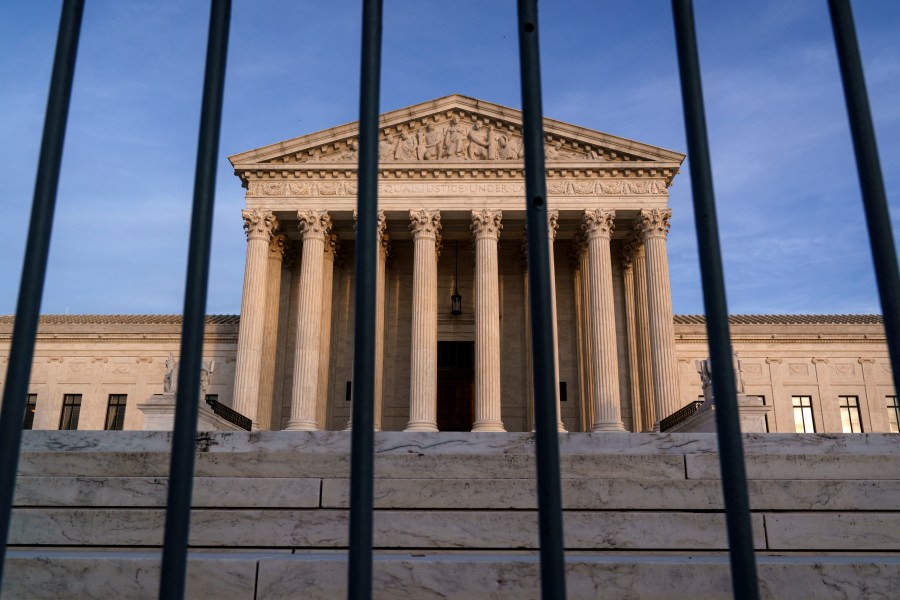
(115, 412)
(893, 414)
(70, 411)
(850, 421)
(30, 407)
(803, 416)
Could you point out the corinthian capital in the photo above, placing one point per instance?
(629, 251)
(425, 224)
(654, 222)
(277, 246)
(314, 223)
(486, 223)
(552, 223)
(332, 244)
(259, 224)
(597, 223)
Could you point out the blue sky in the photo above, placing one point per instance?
(793, 235)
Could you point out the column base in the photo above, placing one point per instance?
(609, 426)
(495, 426)
(302, 426)
(421, 426)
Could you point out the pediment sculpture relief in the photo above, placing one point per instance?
(452, 139)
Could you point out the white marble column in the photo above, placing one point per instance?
(270, 334)
(259, 226)
(552, 228)
(634, 387)
(654, 227)
(314, 226)
(328, 256)
(642, 334)
(425, 226)
(598, 225)
(384, 248)
(486, 228)
(384, 245)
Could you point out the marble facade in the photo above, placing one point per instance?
(451, 218)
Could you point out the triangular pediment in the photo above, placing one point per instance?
(456, 129)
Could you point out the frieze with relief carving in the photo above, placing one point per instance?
(555, 187)
(453, 137)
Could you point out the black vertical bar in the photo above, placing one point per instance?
(181, 470)
(878, 220)
(550, 523)
(362, 459)
(731, 451)
(34, 269)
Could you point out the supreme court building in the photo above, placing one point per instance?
(452, 351)
(451, 222)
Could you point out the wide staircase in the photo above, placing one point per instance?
(455, 516)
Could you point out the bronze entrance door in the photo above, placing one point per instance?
(456, 386)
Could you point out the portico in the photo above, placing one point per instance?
(451, 217)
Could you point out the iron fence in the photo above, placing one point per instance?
(174, 554)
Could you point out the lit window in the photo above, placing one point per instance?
(30, 407)
(115, 412)
(850, 414)
(70, 411)
(893, 414)
(803, 416)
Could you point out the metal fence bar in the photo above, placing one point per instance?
(878, 219)
(362, 459)
(184, 435)
(731, 451)
(34, 269)
(549, 496)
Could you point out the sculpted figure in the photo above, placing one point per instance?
(507, 150)
(551, 151)
(386, 148)
(479, 142)
(430, 143)
(406, 147)
(206, 370)
(170, 378)
(455, 140)
(352, 151)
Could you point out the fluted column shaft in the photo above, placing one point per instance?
(270, 333)
(654, 226)
(598, 225)
(330, 249)
(486, 228)
(314, 225)
(631, 333)
(259, 226)
(552, 228)
(383, 251)
(383, 248)
(425, 226)
(586, 335)
(642, 336)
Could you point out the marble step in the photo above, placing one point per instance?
(334, 465)
(424, 466)
(449, 529)
(425, 575)
(461, 493)
(393, 442)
